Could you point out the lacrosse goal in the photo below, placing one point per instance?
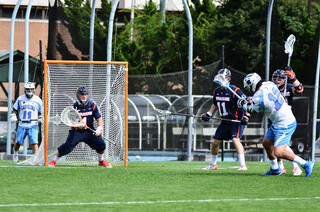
(108, 88)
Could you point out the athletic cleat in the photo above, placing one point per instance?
(283, 170)
(273, 172)
(297, 171)
(52, 163)
(308, 167)
(211, 166)
(105, 164)
(243, 168)
(15, 159)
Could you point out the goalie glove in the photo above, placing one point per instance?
(13, 117)
(290, 73)
(40, 119)
(98, 132)
(83, 124)
(206, 116)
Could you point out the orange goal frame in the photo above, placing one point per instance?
(45, 84)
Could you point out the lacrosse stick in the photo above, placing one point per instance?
(70, 117)
(163, 113)
(288, 49)
(54, 119)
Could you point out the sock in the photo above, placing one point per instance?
(280, 163)
(214, 159)
(56, 158)
(15, 152)
(242, 160)
(100, 157)
(274, 164)
(294, 164)
(299, 160)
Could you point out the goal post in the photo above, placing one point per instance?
(108, 89)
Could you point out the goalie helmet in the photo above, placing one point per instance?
(82, 95)
(29, 89)
(278, 77)
(226, 72)
(251, 81)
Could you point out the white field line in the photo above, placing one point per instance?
(156, 202)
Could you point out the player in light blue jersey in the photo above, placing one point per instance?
(29, 108)
(268, 100)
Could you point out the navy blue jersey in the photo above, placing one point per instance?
(289, 94)
(88, 112)
(226, 102)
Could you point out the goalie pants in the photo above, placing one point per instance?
(76, 136)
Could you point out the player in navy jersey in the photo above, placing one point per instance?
(88, 110)
(294, 87)
(226, 103)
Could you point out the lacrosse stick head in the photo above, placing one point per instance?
(288, 46)
(70, 117)
(223, 77)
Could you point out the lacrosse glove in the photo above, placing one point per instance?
(245, 119)
(83, 124)
(13, 118)
(98, 132)
(290, 73)
(206, 116)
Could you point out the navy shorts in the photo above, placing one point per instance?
(229, 130)
(76, 136)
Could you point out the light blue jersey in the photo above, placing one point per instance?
(269, 101)
(29, 109)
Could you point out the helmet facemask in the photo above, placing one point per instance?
(279, 78)
(82, 95)
(29, 89)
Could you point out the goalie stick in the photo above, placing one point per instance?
(70, 117)
(162, 113)
(288, 49)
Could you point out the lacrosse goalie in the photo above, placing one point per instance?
(268, 100)
(29, 107)
(294, 87)
(88, 110)
(225, 101)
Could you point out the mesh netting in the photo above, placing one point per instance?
(106, 83)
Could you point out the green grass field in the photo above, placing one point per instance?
(156, 186)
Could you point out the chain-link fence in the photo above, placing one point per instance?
(173, 129)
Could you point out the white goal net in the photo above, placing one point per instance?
(107, 83)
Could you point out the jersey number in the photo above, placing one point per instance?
(26, 115)
(276, 98)
(222, 109)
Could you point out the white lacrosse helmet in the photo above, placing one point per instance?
(250, 82)
(29, 89)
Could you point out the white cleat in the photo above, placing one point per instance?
(15, 159)
(297, 171)
(211, 167)
(243, 168)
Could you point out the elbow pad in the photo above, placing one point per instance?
(298, 89)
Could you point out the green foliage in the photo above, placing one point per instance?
(162, 47)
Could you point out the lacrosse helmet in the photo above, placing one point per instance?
(82, 95)
(29, 89)
(278, 74)
(251, 81)
(226, 72)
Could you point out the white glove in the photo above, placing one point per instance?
(13, 117)
(40, 119)
(98, 132)
(83, 124)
